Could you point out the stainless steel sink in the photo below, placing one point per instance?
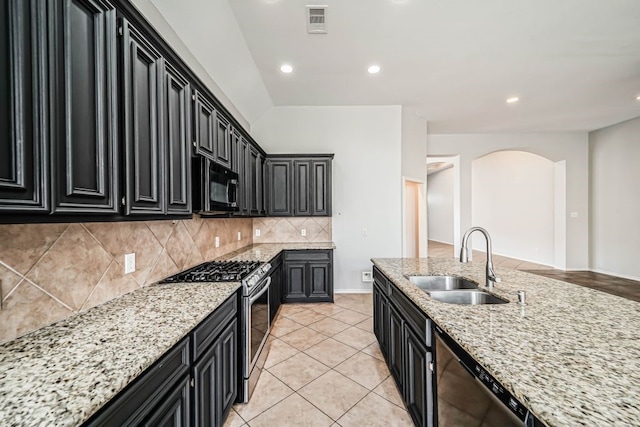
(472, 297)
(441, 283)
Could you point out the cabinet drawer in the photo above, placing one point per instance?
(204, 334)
(412, 315)
(308, 255)
(143, 395)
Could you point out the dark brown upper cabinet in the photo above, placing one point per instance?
(84, 106)
(157, 120)
(24, 160)
(212, 137)
(176, 119)
(299, 185)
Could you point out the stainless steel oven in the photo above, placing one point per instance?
(256, 325)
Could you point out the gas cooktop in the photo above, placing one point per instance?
(215, 271)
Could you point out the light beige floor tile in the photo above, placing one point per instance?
(286, 309)
(284, 326)
(364, 369)
(373, 411)
(356, 338)
(365, 308)
(366, 325)
(389, 391)
(292, 411)
(373, 349)
(349, 316)
(234, 420)
(329, 326)
(333, 393)
(327, 308)
(298, 370)
(267, 393)
(303, 338)
(306, 317)
(278, 352)
(331, 352)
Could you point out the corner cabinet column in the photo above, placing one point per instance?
(144, 158)
(83, 108)
(24, 159)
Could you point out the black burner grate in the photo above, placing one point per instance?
(215, 271)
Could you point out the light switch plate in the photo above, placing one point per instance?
(217, 242)
(129, 263)
(257, 232)
(239, 235)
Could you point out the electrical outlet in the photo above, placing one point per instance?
(367, 277)
(239, 235)
(257, 232)
(217, 242)
(574, 214)
(303, 232)
(129, 263)
(364, 232)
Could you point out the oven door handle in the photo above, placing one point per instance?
(264, 289)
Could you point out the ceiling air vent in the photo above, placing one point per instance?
(316, 19)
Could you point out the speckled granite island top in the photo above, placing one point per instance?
(62, 374)
(571, 355)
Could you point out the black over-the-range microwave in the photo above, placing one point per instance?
(215, 188)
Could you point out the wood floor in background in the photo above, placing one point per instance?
(614, 285)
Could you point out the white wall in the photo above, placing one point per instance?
(367, 183)
(440, 205)
(513, 197)
(207, 37)
(615, 199)
(570, 146)
(414, 168)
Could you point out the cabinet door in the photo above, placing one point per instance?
(222, 142)
(295, 276)
(205, 126)
(216, 379)
(320, 193)
(177, 137)
(244, 189)
(144, 156)
(319, 286)
(174, 410)
(301, 187)
(380, 317)
(254, 177)
(24, 170)
(279, 188)
(84, 106)
(275, 291)
(395, 347)
(417, 379)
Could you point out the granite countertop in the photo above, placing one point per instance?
(63, 373)
(571, 355)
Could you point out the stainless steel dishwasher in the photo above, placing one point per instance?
(468, 396)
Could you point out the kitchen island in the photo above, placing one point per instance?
(64, 373)
(571, 354)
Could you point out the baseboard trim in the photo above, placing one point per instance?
(352, 291)
(609, 273)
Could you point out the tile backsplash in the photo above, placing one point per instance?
(289, 229)
(51, 271)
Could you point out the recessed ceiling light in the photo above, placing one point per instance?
(374, 69)
(638, 98)
(286, 68)
(512, 100)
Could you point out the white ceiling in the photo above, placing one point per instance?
(574, 64)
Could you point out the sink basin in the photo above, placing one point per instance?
(472, 297)
(441, 283)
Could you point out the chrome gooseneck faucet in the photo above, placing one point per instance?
(492, 277)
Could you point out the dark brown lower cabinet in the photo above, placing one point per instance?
(308, 276)
(173, 411)
(405, 337)
(275, 288)
(215, 378)
(195, 383)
